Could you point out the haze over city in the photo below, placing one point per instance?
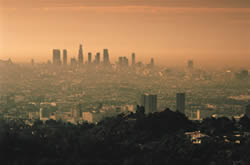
(125, 82)
(210, 32)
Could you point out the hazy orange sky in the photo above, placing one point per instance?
(171, 31)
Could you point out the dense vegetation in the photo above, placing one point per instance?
(134, 139)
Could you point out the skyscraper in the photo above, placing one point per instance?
(123, 61)
(80, 55)
(149, 102)
(56, 57)
(190, 64)
(152, 62)
(89, 58)
(105, 56)
(97, 58)
(180, 102)
(64, 57)
(133, 58)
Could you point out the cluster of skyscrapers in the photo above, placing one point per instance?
(122, 60)
(80, 60)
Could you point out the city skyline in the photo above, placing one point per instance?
(131, 82)
(213, 33)
(57, 59)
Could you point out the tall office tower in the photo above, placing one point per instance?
(105, 56)
(248, 111)
(152, 62)
(56, 57)
(123, 61)
(97, 58)
(190, 64)
(180, 102)
(149, 102)
(89, 58)
(64, 57)
(80, 55)
(133, 58)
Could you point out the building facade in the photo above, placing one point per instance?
(180, 102)
(56, 57)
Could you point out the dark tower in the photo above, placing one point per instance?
(64, 57)
(123, 61)
(97, 58)
(89, 58)
(56, 57)
(133, 58)
(152, 62)
(105, 56)
(180, 102)
(80, 55)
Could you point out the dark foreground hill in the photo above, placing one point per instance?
(134, 139)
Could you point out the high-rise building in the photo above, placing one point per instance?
(97, 58)
(248, 111)
(149, 102)
(190, 64)
(180, 102)
(65, 57)
(89, 58)
(80, 55)
(56, 57)
(105, 56)
(123, 61)
(152, 62)
(133, 58)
